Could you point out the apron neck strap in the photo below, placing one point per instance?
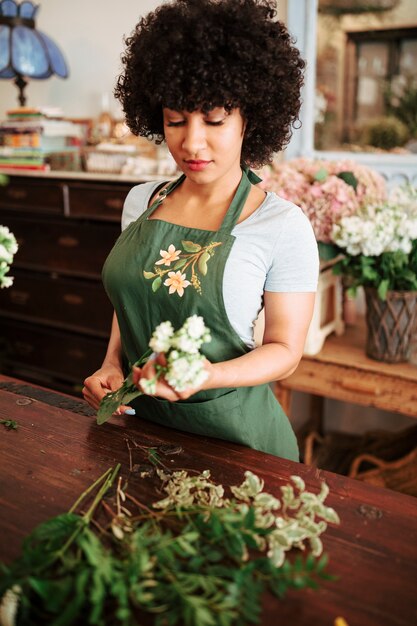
(248, 179)
(162, 195)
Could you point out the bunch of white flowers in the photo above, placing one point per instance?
(8, 248)
(378, 229)
(185, 365)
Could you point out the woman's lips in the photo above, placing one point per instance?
(197, 165)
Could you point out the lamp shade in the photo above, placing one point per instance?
(24, 50)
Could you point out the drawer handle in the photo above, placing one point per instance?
(361, 386)
(19, 297)
(17, 194)
(72, 298)
(68, 242)
(114, 203)
(23, 348)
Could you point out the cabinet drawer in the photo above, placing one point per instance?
(61, 355)
(62, 245)
(23, 194)
(101, 202)
(57, 301)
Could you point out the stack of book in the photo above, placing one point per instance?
(29, 140)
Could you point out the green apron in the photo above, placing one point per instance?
(159, 271)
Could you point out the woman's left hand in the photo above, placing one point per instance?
(163, 389)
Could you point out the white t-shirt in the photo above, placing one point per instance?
(275, 250)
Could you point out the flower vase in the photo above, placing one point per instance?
(390, 325)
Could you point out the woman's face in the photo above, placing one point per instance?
(205, 146)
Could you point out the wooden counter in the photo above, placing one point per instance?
(58, 450)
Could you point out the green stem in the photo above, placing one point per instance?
(87, 491)
(86, 518)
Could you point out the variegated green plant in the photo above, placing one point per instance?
(195, 558)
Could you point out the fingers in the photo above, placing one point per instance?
(149, 372)
(124, 408)
(93, 391)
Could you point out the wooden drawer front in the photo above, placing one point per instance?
(62, 246)
(62, 355)
(24, 194)
(101, 202)
(71, 304)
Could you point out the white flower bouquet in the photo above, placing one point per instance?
(184, 364)
(379, 244)
(8, 248)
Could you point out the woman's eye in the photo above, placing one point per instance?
(180, 123)
(211, 123)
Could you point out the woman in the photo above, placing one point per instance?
(220, 82)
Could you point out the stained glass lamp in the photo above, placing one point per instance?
(25, 52)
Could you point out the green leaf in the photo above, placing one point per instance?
(148, 275)
(327, 251)
(53, 533)
(349, 178)
(180, 263)
(54, 593)
(321, 175)
(111, 402)
(9, 424)
(383, 289)
(156, 284)
(202, 262)
(190, 246)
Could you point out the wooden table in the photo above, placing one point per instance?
(58, 450)
(342, 371)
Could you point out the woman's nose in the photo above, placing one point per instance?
(194, 136)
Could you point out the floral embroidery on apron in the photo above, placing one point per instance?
(192, 259)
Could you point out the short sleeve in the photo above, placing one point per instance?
(136, 202)
(294, 264)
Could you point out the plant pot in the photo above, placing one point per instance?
(390, 325)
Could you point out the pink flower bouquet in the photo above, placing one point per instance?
(325, 190)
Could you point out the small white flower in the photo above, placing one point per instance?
(195, 326)
(184, 343)
(148, 386)
(161, 338)
(9, 605)
(8, 248)
(5, 255)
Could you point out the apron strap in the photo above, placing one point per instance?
(254, 178)
(162, 195)
(248, 179)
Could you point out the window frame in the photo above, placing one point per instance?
(302, 25)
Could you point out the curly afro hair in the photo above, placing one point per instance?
(201, 54)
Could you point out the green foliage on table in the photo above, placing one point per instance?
(194, 559)
(9, 424)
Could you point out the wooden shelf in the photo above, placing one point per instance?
(342, 371)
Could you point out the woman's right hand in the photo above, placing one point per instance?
(107, 378)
